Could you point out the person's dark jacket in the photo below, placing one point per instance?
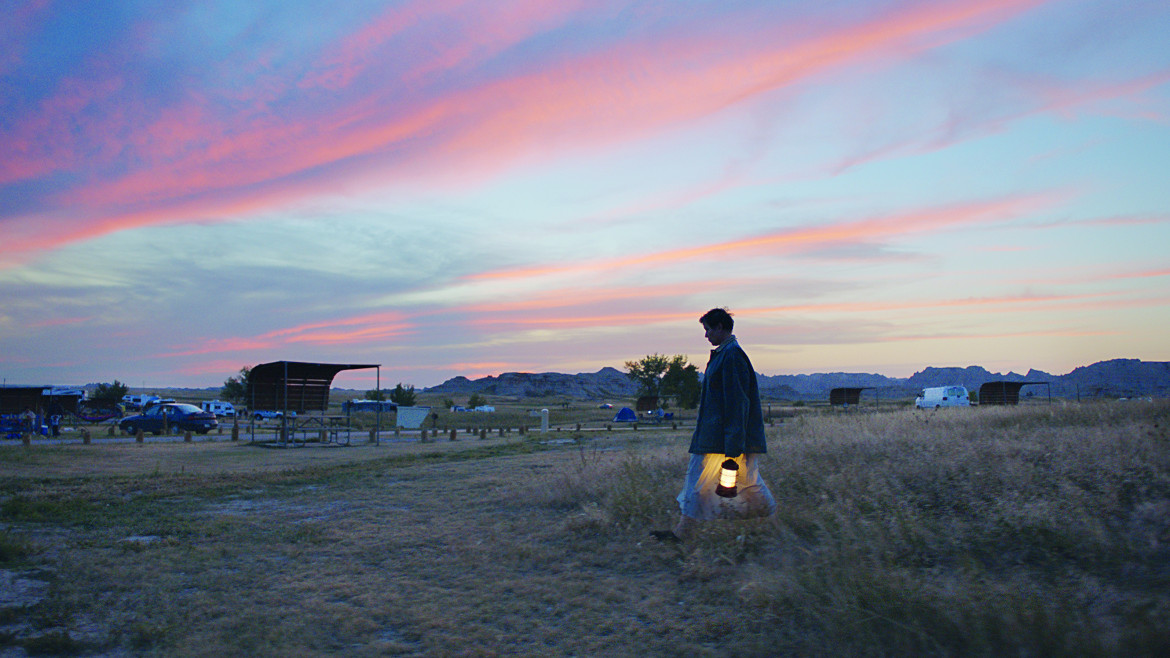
(730, 421)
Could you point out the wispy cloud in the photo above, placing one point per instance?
(351, 330)
(789, 241)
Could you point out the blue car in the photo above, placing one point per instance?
(170, 417)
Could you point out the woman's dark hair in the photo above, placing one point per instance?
(719, 318)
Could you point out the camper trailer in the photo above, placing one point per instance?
(135, 402)
(943, 396)
(219, 408)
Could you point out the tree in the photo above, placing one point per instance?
(108, 395)
(476, 400)
(403, 395)
(647, 373)
(681, 381)
(376, 394)
(235, 389)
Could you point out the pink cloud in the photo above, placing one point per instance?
(577, 297)
(813, 237)
(225, 367)
(194, 159)
(357, 329)
(1074, 333)
(579, 320)
(19, 22)
(546, 318)
(60, 322)
(1148, 274)
(356, 53)
(202, 153)
(478, 369)
(1119, 220)
(46, 141)
(645, 87)
(473, 32)
(1042, 97)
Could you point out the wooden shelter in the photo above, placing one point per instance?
(297, 388)
(1004, 392)
(845, 396)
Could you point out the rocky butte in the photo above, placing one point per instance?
(1115, 378)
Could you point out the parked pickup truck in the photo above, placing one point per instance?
(259, 414)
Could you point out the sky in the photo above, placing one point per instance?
(447, 188)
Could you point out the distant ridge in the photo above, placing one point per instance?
(1113, 378)
(605, 383)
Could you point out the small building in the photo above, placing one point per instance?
(48, 400)
(646, 403)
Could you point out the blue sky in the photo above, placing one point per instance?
(468, 188)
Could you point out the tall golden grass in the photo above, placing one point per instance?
(1026, 531)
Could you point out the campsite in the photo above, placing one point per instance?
(1029, 530)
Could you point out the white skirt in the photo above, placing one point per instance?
(699, 501)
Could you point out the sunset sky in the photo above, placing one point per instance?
(469, 188)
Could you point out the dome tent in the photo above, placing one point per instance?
(626, 415)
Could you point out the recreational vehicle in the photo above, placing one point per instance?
(218, 407)
(943, 396)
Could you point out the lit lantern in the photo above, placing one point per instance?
(726, 488)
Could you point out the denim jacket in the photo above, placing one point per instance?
(730, 421)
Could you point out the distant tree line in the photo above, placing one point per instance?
(400, 395)
(666, 377)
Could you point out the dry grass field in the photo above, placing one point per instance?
(1029, 531)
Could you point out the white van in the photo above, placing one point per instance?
(218, 407)
(943, 396)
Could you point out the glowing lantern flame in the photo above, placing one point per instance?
(727, 476)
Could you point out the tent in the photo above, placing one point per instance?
(626, 415)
